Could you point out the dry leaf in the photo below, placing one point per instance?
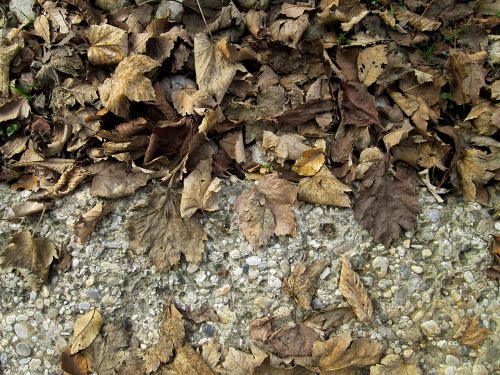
(392, 364)
(128, 83)
(397, 135)
(113, 180)
(327, 320)
(73, 364)
(475, 170)
(210, 352)
(26, 182)
(371, 63)
(265, 210)
(14, 107)
(255, 20)
(187, 361)
(420, 23)
(108, 45)
(239, 363)
(157, 228)
(353, 291)
(286, 146)
(324, 188)
(31, 256)
(387, 203)
(357, 105)
(71, 92)
(29, 208)
(310, 162)
(261, 329)
(200, 192)
(87, 223)
(14, 146)
(296, 340)
(232, 143)
(302, 283)
(289, 31)
(85, 330)
(473, 335)
(7, 54)
(42, 28)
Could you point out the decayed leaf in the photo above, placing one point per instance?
(171, 337)
(42, 28)
(187, 361)
(200, 192)
(327, 320)
(255, 20)
(302, 283)
(85, 330)
(392, 364)
(265, 210)
(286, 146)
(87, 223)
(310, 162)
(473, 335)
(128, 83)
(108, 45)
(296, 340)
(73, 364)
(13, 146)
(31, 256)
(418, 22)
(387, 203)
(239, 363)
(475, 170)
(340, 355)
(371, 64)
(157, 228)
(358, 105)
(354, 292)
(214, 72)
(346, 11)
(324, 188)
(71, 92)
(14, 107)
(466, 77)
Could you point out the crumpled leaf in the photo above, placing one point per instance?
(387, 203)
(357, 105)
(310, 162)
(395, 136)
(296, 340)
(156, 227)
(128, 83)
(113, 180)
(88, 221)
(324, 188)
(420, 23)
(353, 291)
(108, 45)
(200, 192)
(214, 72)
(71, 92)
(348, 12)
(13, 107)
(31, 256)
(392, 364)
(371, 63)
(289, 31)
(328, 319)
(473, 335)
(265, 210)
(476, 169)
(302, 283)
(232, 143)
(286, 146)
(85, 330)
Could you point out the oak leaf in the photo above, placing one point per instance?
(353, 291)
(465, 76)
(128, 83)
(387, 203)
(371, 64)
(85, 330)
(324, 188)
(302, 283)
(310, 162)
(265, 210)
(476, 169)
(31, 256)
(108, 45)
(88, 221)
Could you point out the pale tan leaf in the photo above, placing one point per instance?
(185, 101)
(14, 107)
(420, 23)
(7, 54)
(255, 20)
(210, 352)
(114, 180)
(495, 90)
(42, 28)
(286, 147)
(354, 292)
(395, 136)
(310, 162)
(473, 335)
(371, 63)
(232, 144)
(57, 15)
(289, 31)
(108, 45)
(368, 157)
(29, 208)
(187, 361)
(88, 221)
(69, 181)
(475, 169)
(71, 92)
(239, 363)
(324, 188)
(392, 364)
(85, 330)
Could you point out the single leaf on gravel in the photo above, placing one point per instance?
(465, 76)
(200, 192)
(354, 292)
(371, 63)
(340, 355)
(73, 364)
(214, 72)
(239, 363)
(187, 361)
(29, 208)
(475, 169)
(324, 188)
(473, 335)
(303, 282)
(420, 23)
(108, 45)
(128, 83)
(296, 340)
(156, 227)
(357, 105)
(392, 364)
(286, 146)
(310, 162)
(85, 330)
(88, 221)
(387, 203)
(31, 256)
(265, 210)
(327, 320)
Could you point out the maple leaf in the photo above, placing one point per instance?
(157, 228)
(476, 169)
(87, 223)
(128, 83)
(31, 256)
(371, 64)
(302, 283)
(265, 210)
(85, 330)
(387, 203)
(324, 188)
(200, 192)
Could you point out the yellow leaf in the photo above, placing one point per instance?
(324, 188)
(310, 162)
(371, 63)
(108, 45)
(85, 330)
(354, 292)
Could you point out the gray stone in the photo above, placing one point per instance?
(22, 349)
(430, 328)
(21, 330)
(254, 260)
(381, 264)
(452, 360)
(35, 364)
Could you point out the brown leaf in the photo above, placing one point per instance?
(310, 162)
(346, 11)
(128, 83)
(302, 283)
(475, 170)
(265, 210)
(420, 23)
(395, 136)
(466, 77)
(42, 28)
(108, 45)
(88, 221)
(324, 188)
(187, 361)
(214, 72)
(357, 105)
(71, 92)
(14, 107)
(29, 208)
(473, 335)
(69, 181)
(85, 330)
(239, 363)
(353, 291)
(14, 146)
(392, 364)
(296, 340)
(286, 147)
(65, 259)
(157, 228)
(73, 364)
(26, 182)
(232, 143)
(202, 315)
(371, 64)
(7, 54)
(289, 31)
(387, 203)
(327, 320)
(261, 329)
(31, 256)
(113, 180)
(255, 20)
(210, 352)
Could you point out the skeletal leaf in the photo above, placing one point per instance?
(85, 330)
(371, 63)
(87, 223)
(108, 44)
(354, 292)
(324, 188)
(473, 335)
(310, 162)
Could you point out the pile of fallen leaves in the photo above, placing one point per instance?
(334, 102)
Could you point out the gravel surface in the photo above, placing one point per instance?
(421, 287)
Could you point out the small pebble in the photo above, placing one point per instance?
(274, 282)
(430, 328)
(35, 363)
(452, 360)
(417, 269)
(238, 271)
(263, 302)
(381, 264)
(22, 349)
(469, 277)
(254, 260)
(21, 330)
(222, 291)
(408, 353)
(426, 253)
